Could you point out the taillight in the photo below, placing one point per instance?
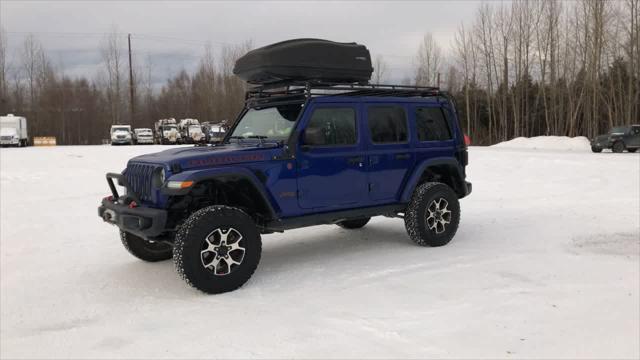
(467, 140)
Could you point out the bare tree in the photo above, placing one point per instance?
(113, 63)
(428, 61)
(380, 69)
(4, 88)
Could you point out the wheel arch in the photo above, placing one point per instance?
(443, 169)
(231, 178)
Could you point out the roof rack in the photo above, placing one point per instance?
(287, 92)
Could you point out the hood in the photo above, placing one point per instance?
(8, 132)
(209, 156)
(602, 138)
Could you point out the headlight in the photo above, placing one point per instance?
(159, 177)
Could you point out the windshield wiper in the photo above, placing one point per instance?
(257, 137)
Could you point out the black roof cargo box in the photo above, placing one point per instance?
(306, 59)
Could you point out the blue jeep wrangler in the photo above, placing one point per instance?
(300, 154)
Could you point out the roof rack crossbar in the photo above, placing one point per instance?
(293, 91)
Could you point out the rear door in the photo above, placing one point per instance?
(331, 160)
(389, 149)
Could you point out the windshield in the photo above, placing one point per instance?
(267, 123)
(619, 130)
(7, 131)
(144, 132)
(120, 129)
(169, 128)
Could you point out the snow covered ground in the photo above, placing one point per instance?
(545, 264)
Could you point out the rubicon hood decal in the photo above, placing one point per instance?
(226, 159)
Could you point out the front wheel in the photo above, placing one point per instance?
(596, 149)
(632, 150)
(618, 147)
(433, 214)
(217, 249)
(145, 250)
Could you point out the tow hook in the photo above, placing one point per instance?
(109, 215)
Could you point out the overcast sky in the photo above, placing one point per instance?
(172, 34)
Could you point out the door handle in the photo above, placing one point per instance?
(403, 156)
(355, 160)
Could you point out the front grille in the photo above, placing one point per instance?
(140, 179)
(120, 136)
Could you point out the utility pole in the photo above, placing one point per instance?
(131, 102)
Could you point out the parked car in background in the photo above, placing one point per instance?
(143, 136)
(191, 131)
(618, 139)
(13, 131)
(214, 132)
(167, 132)
(121, 135)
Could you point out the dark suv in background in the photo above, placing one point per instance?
(618, 139)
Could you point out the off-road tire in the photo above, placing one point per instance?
(618, 147)
(145, 250)
(191, 237)
(415, 216)
(354, 223)
(632, 150)
(596, 149)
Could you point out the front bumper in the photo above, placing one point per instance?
(141, 221)
(10, 142)
(121, 141)
(145, 141)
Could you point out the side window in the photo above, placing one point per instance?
(431, 124)
(387, 124)
(331, 126)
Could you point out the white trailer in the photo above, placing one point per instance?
(13, 131)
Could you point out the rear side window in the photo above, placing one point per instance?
(331, 126)
(387, 124)
(431, 124)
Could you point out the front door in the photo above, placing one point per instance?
(331, 161)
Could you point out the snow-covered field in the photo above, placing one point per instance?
(545, 264)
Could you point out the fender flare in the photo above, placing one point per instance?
(419, 170)
(198, 176)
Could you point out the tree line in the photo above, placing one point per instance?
(523, 68)
(530, 68)
(78, 110)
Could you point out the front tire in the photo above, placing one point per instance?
(217, 249)
(433, 214)
(354, 223)
(618, 147)
(145, 250)
(596, 149)
(632, 150)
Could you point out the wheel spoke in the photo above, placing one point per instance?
(214, 262)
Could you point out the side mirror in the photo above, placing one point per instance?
(311, 137)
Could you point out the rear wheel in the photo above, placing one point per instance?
(433, 214)
(151, 251)
(217, 249)
(618, 147)
(354, 224)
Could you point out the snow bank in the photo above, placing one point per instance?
(579, 143)
(545, 264)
